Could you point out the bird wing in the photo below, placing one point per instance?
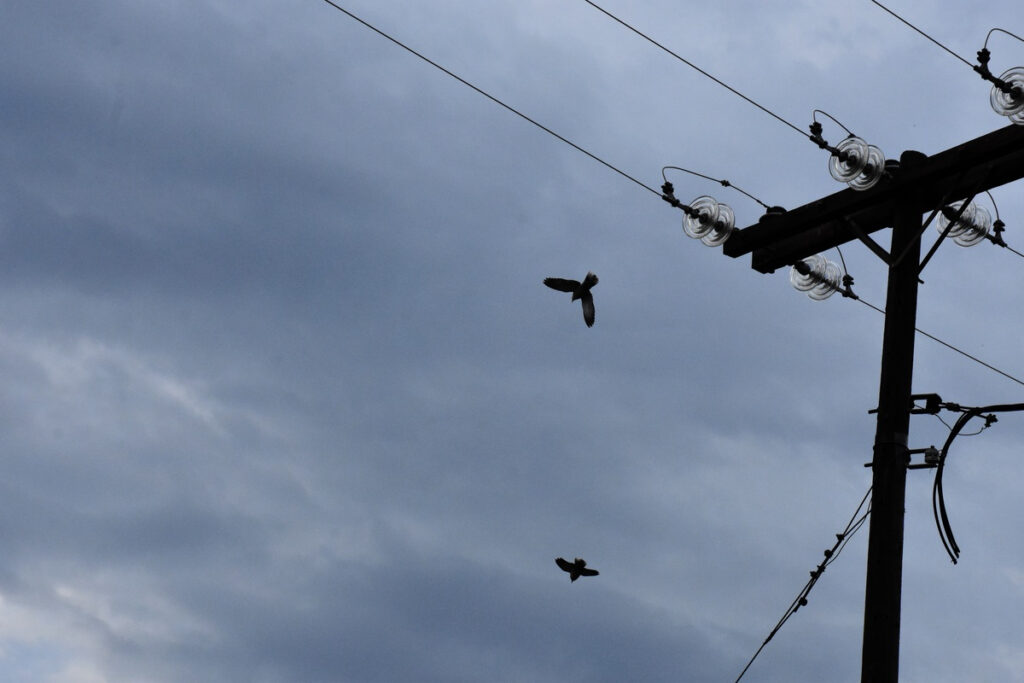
(561, 284)
(588, 572)
(563, 565)
(590, 280)
(588, 309)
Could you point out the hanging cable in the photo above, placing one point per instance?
(723, 183)
(989, 35)
(938, 497)
(939, 418)
(831, 554)
(814, 119)
(491, 97)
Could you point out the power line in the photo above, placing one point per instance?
(950, 346)
(697, 68)
(491, 97)
(614, 168)
(1009, 248)
(642, 184)
(847, 293)
(830, 556)
(693, 66)
(989, 35)
(923, 33)
(723, 182)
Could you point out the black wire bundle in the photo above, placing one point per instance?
(938, 498)
(831, 554)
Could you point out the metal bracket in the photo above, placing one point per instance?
(932, 405)
(959, 212)
(949, 226)
(931, 459)
(868, 242)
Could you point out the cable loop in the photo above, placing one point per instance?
(723, 183)
(938, 497)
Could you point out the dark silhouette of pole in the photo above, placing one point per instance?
(917, 185)
(881, 649)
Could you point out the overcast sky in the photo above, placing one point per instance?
(284, 398)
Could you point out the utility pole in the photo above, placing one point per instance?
(916, 185)
(881, 655)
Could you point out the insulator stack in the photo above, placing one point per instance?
(709, 221)
(1009, 100)
(817, 276)
(857, 163)
(971, 227)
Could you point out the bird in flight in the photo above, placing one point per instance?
(576, 569)
(580, 290)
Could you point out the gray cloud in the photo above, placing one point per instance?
(285, 398)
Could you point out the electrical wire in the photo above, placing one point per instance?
(696, 68)
(855, 524)
(989, 35)
(994, 205)
(950, 346)
(841, 259)
(1013, 251)
(939, 418)
(980, 430)
(723, 183)
(831, 554)
(814, 118)
(623, 173)
(997, 238)
(923, 33)
(491, 97)
(938, 497)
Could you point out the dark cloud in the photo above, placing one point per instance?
(285, 398)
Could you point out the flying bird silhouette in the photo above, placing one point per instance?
(576, 569)
(580, 290)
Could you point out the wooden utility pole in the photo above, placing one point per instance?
(915, 186)
(881, 654)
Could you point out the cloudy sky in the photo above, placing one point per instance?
(284, 398)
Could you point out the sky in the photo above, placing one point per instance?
(284, 397)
